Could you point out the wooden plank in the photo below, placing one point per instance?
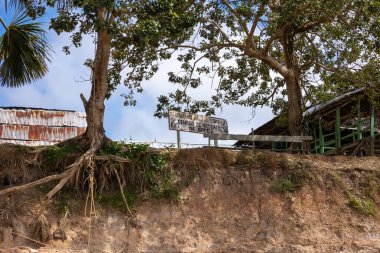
(178, 139)
(371, 146)
(337, 131)
(372, 131)
(372, 121)
(269, 138)
(359, 122)
(321, 138)
(358, 147)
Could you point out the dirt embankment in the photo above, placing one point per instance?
(235, 202)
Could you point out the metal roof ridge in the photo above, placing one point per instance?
(320, 106)
(36, 108)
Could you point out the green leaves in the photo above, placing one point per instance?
(319, 41)
(24, 52)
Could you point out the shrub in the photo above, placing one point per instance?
(283, 186)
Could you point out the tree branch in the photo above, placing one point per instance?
(220, 29)
(205, 47)
(272, 62)
(84, 101)
(270, 42)
(254, 25)
(309, 25)
(324, 66)
(243, 24)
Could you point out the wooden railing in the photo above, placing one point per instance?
(261, 138)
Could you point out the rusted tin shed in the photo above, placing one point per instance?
(37, 126)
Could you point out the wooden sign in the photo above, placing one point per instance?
(188, 122)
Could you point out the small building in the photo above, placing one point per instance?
(348, 124)
(37, 126)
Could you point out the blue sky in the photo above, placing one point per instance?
(61, 87)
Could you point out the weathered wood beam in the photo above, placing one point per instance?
(269, 138)
(372, 131)
(359, 122)
(330, 111)
(337, 131)
(321, 138)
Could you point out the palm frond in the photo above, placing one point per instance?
(15, 3)
(24, 52)
(23, 3)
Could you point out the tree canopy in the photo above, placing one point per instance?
(127, 34)
(284, 54)
(275, 53)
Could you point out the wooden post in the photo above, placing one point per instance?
(372, 121)
(215, 142)
(178, 139)
(321, 138)
(286, 143)
(359, 123)
(315, 139)
(209, 142)
(337, 132)
(372, 127)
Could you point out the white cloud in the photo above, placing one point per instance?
(59, 88)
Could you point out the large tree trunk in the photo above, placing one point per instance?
(292, 80)
(95, 133)
(294, 104)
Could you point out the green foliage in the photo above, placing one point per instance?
(361, 199)
(370, 185)
(284, 186)
(364, 206)
(289, 175)
(293, 181)
(115, 200)
(64, 208)
(54, 154)
(152, 173)
(334, 42)
(168, 189)
(137, 29)
(65, 196)
(114, 148)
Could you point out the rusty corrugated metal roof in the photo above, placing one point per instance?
(29, 116)
(36, 126)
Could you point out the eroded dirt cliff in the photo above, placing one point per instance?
(235, 202)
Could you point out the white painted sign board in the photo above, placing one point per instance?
(188, 122)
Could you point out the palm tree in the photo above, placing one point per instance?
(24, 51)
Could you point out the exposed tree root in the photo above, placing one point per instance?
(41, 229)
(35, 183)
(71, 173)
(72, 170)
(64, 177)
(121, 191)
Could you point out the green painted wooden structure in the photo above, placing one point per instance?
(346, 125)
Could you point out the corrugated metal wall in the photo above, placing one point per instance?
(34, 127)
